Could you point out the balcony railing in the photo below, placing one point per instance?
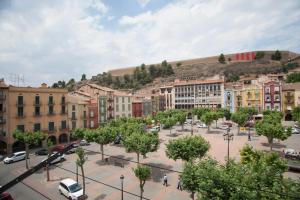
(2, 97)
(63, 113)
(73, 118)
(51, 113)
(50, 130)
(20, 115)
(20, 104)
(2, 121)
(3, 110)
(63, 128)
(51, 103)
(36, 114)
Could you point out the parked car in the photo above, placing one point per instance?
(295, 131)
(1, 157)
(15, 157)
(155, 129)
(202, 126)
(84, 143)
(229, 124)
(5, 196)
(71, 189)
(291, 154)
(72, 150)
(58, 148)
(223, 127)
(41, 152)
(60, 158)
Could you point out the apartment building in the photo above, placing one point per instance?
(272, 95)
(93, 113)
(168, 96)
(137, 108)
(252, 96)
(122, 105)
(32, 109)
(190, 94)
(78, 111)
(229, 99)
(290, 92)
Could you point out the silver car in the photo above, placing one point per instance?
(15, 157)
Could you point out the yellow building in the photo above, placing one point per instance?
(252, 97)
(32, 109)
(290, 98)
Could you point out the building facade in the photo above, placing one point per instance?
(168, 96)
(32, 109)
(122, 105)
(252, 97)
(93, 114)
(229, 99)
(272, 95)
(290, 99)
(137, 109)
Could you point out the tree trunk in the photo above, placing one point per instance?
(216, 123)
(208, 128)
(138, 158)
(47, 169)
(270, 140)
(83, 180)
(27, 155)
(76, 173)
(193, 195)
(238, 130)
(102, 151)
(142, 190)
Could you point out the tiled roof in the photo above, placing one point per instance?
(195, 82)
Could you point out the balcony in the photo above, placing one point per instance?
(2, 121)
(83, 117)
(20, 104)
(36, 114)
(276, 100)
(63, 128)
(51, 113)
(3, 110)
(74, 118)
(110, 108)
(63, 113)
(50, 130)
(20, 115)
(51, 103)
(2, 97)
(63, 103)
(37, 104)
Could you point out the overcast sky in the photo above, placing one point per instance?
(53, 40)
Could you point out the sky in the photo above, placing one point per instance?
(47, 41)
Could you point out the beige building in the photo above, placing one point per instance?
(122, 105)
(32, 109)
(290, 99)
(78, 111)
(168, 92)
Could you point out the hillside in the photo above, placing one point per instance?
(238, 64)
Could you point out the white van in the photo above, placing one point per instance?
(15, 157)
(71, 189)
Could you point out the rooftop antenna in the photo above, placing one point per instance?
(16, 79)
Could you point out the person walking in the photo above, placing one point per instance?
(165, 180)
(179, 185)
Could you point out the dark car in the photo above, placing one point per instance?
(5, 196)
(41, 152)
(71, 150)
(58, 148)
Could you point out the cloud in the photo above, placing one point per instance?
(55, 40)
(143, 3)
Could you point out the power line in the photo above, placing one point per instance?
(102, 183)
(36, 190)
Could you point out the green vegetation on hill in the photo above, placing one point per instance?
(140, 77)
(63, 85)
(293, 78)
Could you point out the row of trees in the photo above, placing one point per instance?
(70, 85)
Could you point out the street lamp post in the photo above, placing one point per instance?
(192, 130)
(122, 179)
(228, 136)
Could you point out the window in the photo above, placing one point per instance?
(51, 111)
(102, 109)
(128, 100)
(117, 99)
(129, 107)
(63, 109)
(73, 125)
(84, 123)
(73, 107)
(63, 124)
(92, 114)
(123, 99)
(37, 100)
(117, 107)
(102, 118)
(20, 100)
(73, 116)
(37, 111)
(21, 128)
(63, 100)
(51, 126)
(1, 107)
(20, 112)
(123, 107)
(51, 100)
(92, 124)
(36, 127)
(84, 114)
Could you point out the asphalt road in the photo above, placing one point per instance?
(19, 191)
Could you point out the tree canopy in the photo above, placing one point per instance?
(187, 148)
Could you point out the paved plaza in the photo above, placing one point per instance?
(104, 177)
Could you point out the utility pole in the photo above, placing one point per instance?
(228, 136)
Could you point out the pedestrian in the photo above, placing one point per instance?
(179, 185)
(165, 180)
(86, 157)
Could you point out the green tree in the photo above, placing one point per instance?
(240, 119)
(141, 143)
(259, 55)
(153, 71)
(200, 111)
(28, 138)
(189, 178)
(142, 173)
(221, 58)
(272, 129)
(187, 148)
(296, 114)
(169, 122)
(83, 77)
(78, 133)
(293, 77)
(276, 55)
(103, 136)
(80, 162)
(181, 118)
(208, 118)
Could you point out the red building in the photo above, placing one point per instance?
(93, 114)
(245, 56)
(137, 109)
(272, 95)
